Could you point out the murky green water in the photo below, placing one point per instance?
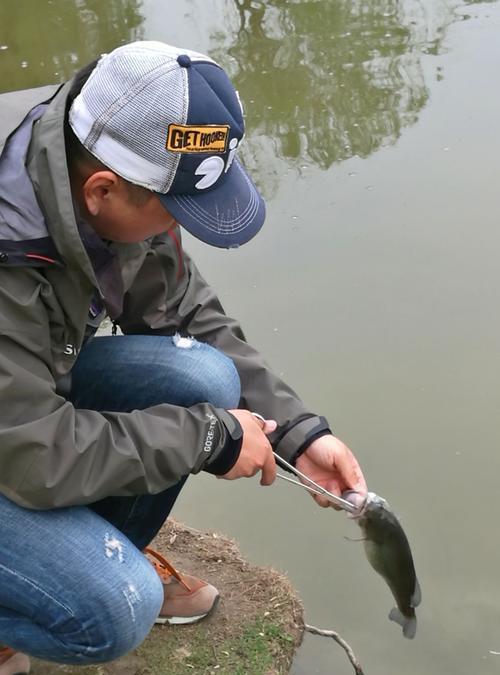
(373, 131)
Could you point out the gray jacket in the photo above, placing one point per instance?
(52, 454)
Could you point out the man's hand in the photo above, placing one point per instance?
(256, 452)
(330, 463)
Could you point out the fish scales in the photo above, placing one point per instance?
(388, 552)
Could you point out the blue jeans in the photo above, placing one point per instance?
(74, 585)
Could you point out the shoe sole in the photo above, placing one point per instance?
(184, 620)
(19, 672)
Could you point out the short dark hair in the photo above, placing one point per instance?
(77, 155)
(79, 79)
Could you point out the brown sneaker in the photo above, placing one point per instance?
(13, 663)
(187, 599)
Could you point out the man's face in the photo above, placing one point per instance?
(115, 213)
(132, 222)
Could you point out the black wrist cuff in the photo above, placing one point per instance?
(228, 455)
(307, 443)
(299, 435)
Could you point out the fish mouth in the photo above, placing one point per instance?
(371, 500)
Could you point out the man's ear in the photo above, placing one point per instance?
(97, 190)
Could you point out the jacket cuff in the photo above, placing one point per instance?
(223, 461)
(297, 437)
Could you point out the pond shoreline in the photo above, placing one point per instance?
(256, 628)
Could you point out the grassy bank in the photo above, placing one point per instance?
(255, 629)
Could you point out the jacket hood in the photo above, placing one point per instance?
(24, 239)
(37, 219)
(48, 171)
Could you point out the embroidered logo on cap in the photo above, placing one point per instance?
(193, 138)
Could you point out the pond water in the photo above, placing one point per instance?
(373, 288)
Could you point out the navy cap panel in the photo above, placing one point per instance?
(228, 217)
(218, 81)
(209, 108)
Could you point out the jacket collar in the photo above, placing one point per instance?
(48, 171)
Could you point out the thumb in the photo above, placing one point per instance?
(269, 426)
(350, 471)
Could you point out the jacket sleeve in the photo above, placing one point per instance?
(53, 455)
(169, 294)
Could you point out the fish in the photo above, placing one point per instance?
(388, 552)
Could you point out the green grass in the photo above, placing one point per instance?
(254, 651)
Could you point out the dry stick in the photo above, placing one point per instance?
(345, 645)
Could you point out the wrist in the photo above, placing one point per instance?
(299, 436)
(307, 444)
(228, 455)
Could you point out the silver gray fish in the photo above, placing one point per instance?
(388, 552)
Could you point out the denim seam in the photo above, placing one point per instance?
(44, 593)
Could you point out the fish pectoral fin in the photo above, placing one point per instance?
(355, 540)
(408, 624)
(416, 598)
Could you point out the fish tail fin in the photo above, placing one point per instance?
(408, 624)
(417, 595)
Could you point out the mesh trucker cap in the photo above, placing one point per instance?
(169, 119)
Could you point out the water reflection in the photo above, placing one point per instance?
(324, 81)
(45, 42)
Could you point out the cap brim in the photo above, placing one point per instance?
(228, 216)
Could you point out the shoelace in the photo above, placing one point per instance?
(6, 651)
(164, 569)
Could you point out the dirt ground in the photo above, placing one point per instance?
(255, 629)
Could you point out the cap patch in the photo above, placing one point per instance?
(193, 138)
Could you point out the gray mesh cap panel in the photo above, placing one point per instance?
(125, 107)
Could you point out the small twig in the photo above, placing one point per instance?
(250, 589)
(345, 645)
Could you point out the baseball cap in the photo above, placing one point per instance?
(169, 119)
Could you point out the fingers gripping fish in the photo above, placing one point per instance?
(388, 552)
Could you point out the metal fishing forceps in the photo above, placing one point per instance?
(312, 486)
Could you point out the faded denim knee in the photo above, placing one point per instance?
(124, 616)
(148, 370)
(211, 376)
